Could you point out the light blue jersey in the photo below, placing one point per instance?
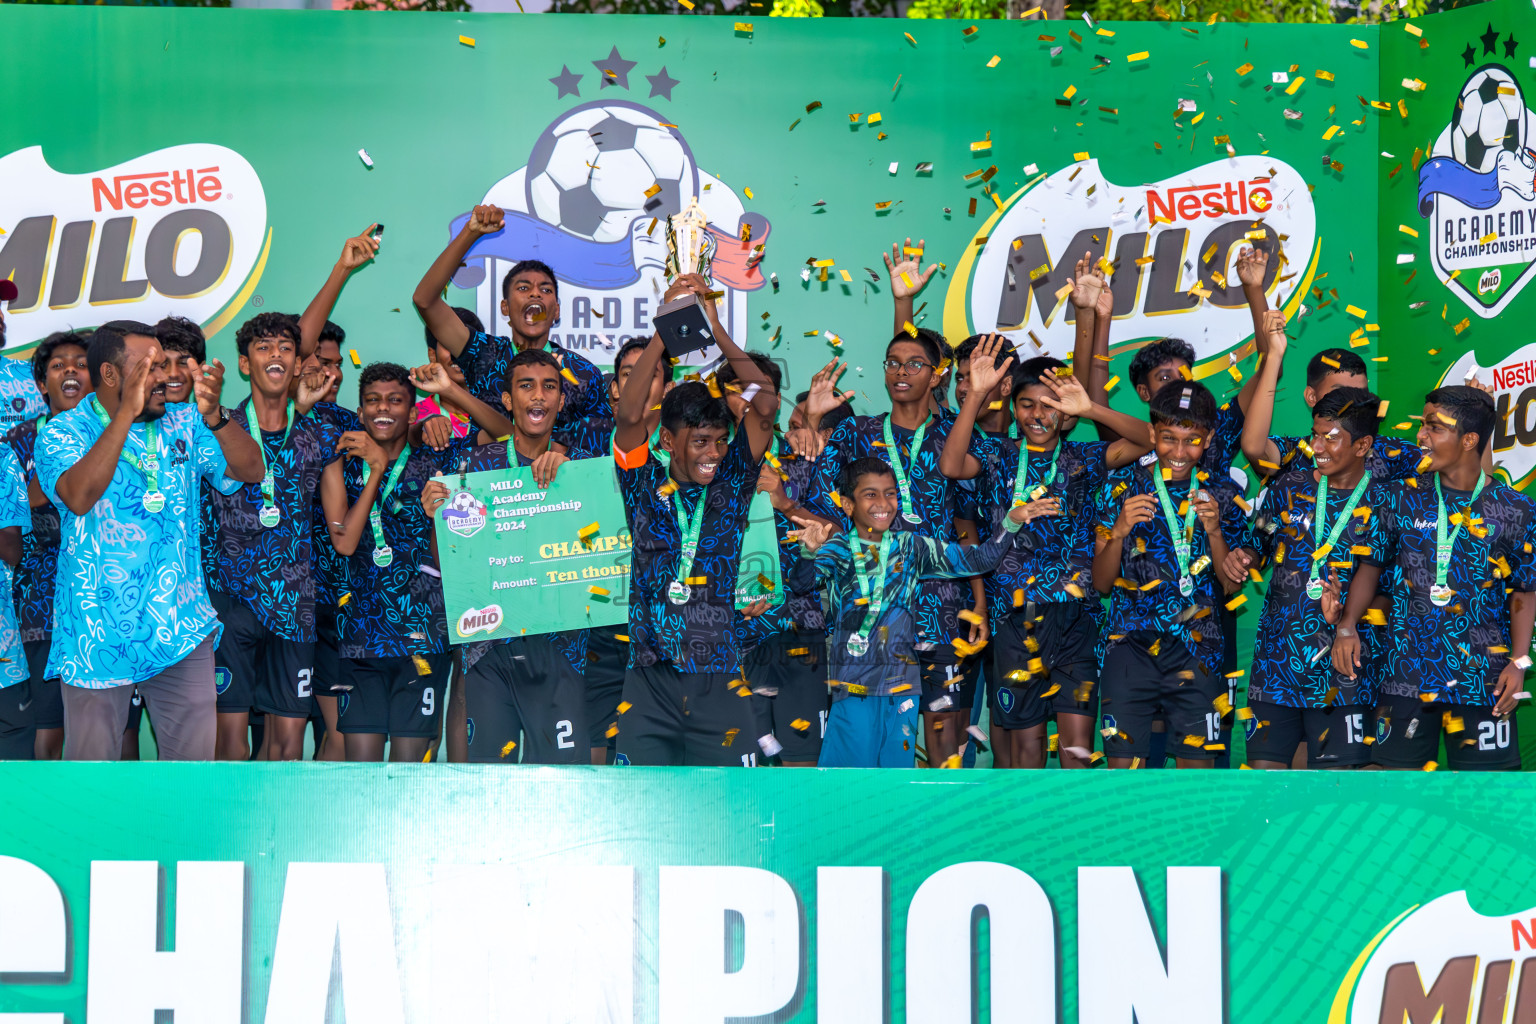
(14, 511)
(20, 398)
(130, 600)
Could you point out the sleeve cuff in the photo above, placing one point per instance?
(634, 459)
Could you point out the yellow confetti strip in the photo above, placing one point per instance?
(597, 591)
(1079, 157)
(1360, 44)
(1290, 90)
(423, 666)
(341, 602)
(1333, 130)
(1245, 69)
(508, 747)
(995, 61)
(1141, 55)
(1237, 602)
(355, 361)
(467, 40)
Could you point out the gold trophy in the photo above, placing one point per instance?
(682, 323)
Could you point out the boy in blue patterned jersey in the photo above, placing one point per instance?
(256, 551)
(952, 615)
(1313, 526)
(1046, 618)
(1165, 526)
(872, 575)
(124, 470)
(1463, 599)
(524, 695)
(608, 646)
(1390, 458)
(686, 518)
(785, 661)
(62, 375)
(530, 300)
(18, 726)
(393, 640)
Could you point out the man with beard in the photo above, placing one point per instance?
(130, 606)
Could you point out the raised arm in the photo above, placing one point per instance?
(907, 279)
(763, 407)
(956, 461)
(1262, 453)
(629, 430)
(83, 484)
(955, 560)
(347, 528)
(433, 379)
(1132, 437)
(355, 252)
(441, 320)
(242, 452)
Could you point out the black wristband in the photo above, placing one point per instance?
(223, 421)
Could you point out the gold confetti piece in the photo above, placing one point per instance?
(686, 3)
(730, 737)
(1290, 90)
(355, 361)
(1142, 55)
(1333, 130)
(423, 666)
(1355, 311)
(1431, 766)
(621, 638)
(613, 730)
(995, 61)
(743, 26)
(1237, 602)
(985, 145)
(1360, 44)
(508, 747)
(597, 591)
(909, 38)
(1489, 237)
(966, 615)
(341, 602)
(1245, 69)
(846, 278)
(1079, 157)
(1071, 91)
(587, 531)
(1463, 325)
(652, 191)
(696, 581)
(800, 725)
(469, 41)
(874, 118)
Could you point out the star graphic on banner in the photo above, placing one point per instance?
(1509, 46)
(615, 69)
(566, 82)
(1489, 38)
(661, 85)
(1469, 55)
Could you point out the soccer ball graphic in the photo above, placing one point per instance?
(1487, 120)
(589, 171)
(465, 502)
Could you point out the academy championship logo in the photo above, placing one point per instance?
(464, 514)
(479, 620)
(180, 230)
(1172, 246)
(1444, 961)
(1477, 188)
(592, 202)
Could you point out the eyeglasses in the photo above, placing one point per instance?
(911, 365)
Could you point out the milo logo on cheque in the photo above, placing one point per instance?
(480, 620)
(1444, 962)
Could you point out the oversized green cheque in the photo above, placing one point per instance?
(520, 559)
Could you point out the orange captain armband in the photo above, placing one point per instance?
(634, 459)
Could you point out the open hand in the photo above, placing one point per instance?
(907, 275)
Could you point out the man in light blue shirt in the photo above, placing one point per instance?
(124, 471)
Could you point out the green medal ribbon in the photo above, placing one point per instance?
(1441, 594)
(872, 590)
(1023, 473)
(383, 554)
(688, 526)
(1181, 538)
(902, 473)
(149, 466)
(1314, 582)
(270, 514)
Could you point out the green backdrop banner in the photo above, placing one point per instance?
(305, 893)
(212, 163)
